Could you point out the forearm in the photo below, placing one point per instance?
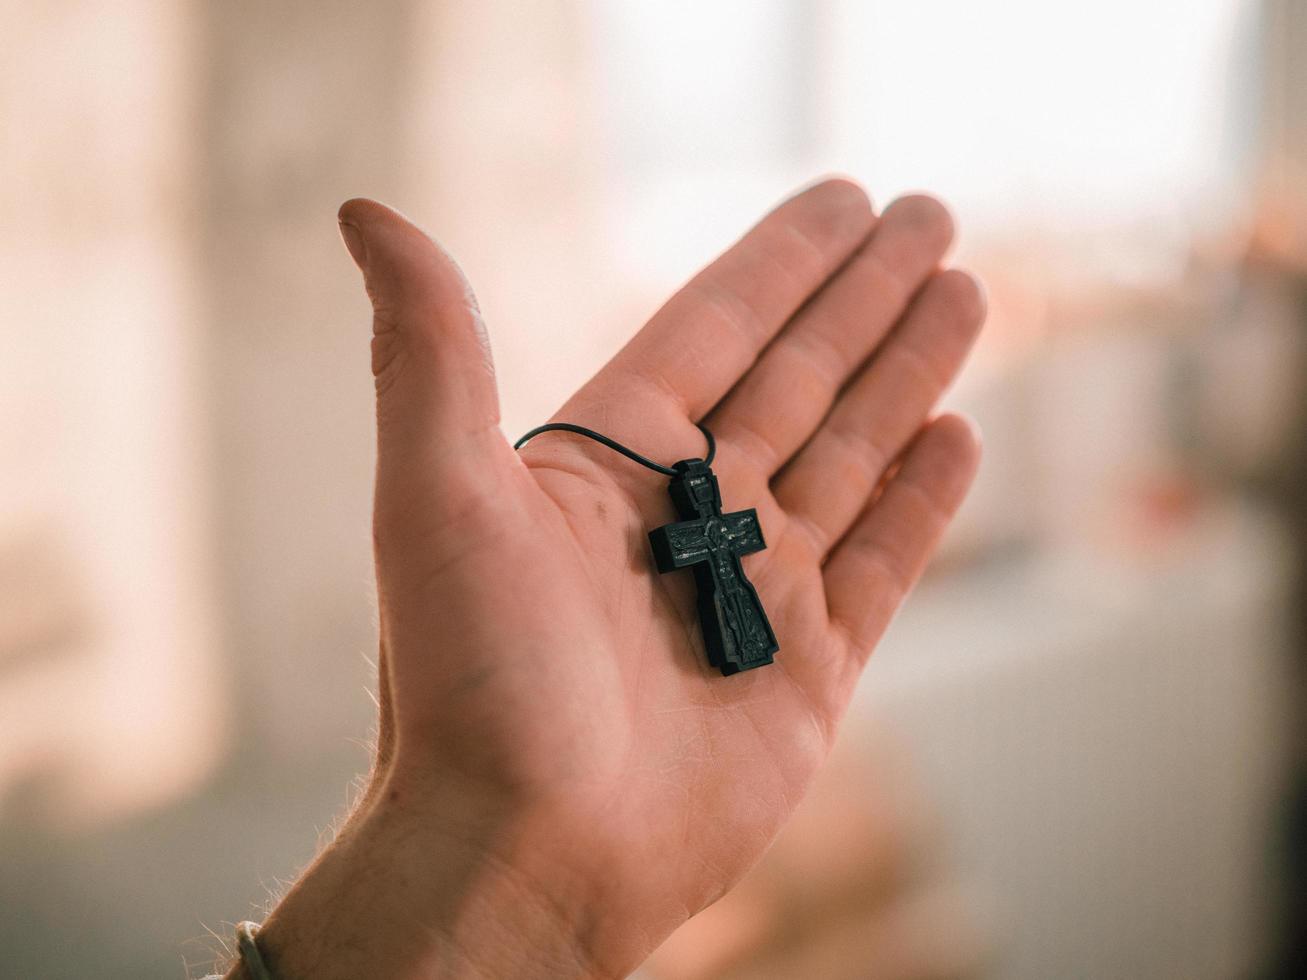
(407, 893)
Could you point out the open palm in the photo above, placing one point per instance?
(532, 657)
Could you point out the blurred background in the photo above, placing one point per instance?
(1080, 751)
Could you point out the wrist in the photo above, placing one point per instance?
(409, 890)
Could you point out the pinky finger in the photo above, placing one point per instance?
(872, 569)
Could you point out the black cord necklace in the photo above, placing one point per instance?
(736, 632)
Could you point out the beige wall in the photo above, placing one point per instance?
(108, 654)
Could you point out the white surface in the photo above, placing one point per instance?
(1104, 743)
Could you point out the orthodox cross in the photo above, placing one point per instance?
(735, 627)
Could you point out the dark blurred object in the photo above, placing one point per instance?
(1278, 263)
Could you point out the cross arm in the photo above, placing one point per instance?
(679, 545)
(744, 531)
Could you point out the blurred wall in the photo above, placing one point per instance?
(108, 647)
(303, 105)
(188, 429)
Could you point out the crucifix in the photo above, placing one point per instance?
(735, 627)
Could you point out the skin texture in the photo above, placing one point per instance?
(561, 780)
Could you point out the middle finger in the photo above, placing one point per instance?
(777, 406)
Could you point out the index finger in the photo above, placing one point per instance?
(707, 336)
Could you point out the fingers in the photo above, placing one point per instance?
(437, 406)
(784, 397)
(827, 484)
(699, 344)
(871, 571)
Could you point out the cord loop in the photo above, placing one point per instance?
(612, 444)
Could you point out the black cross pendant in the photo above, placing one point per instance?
(735, 627)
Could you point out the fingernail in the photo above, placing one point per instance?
(353, 239)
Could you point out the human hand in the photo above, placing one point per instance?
(561, 779)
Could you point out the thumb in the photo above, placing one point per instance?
(437, 405)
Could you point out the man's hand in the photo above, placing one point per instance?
(562, 780)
